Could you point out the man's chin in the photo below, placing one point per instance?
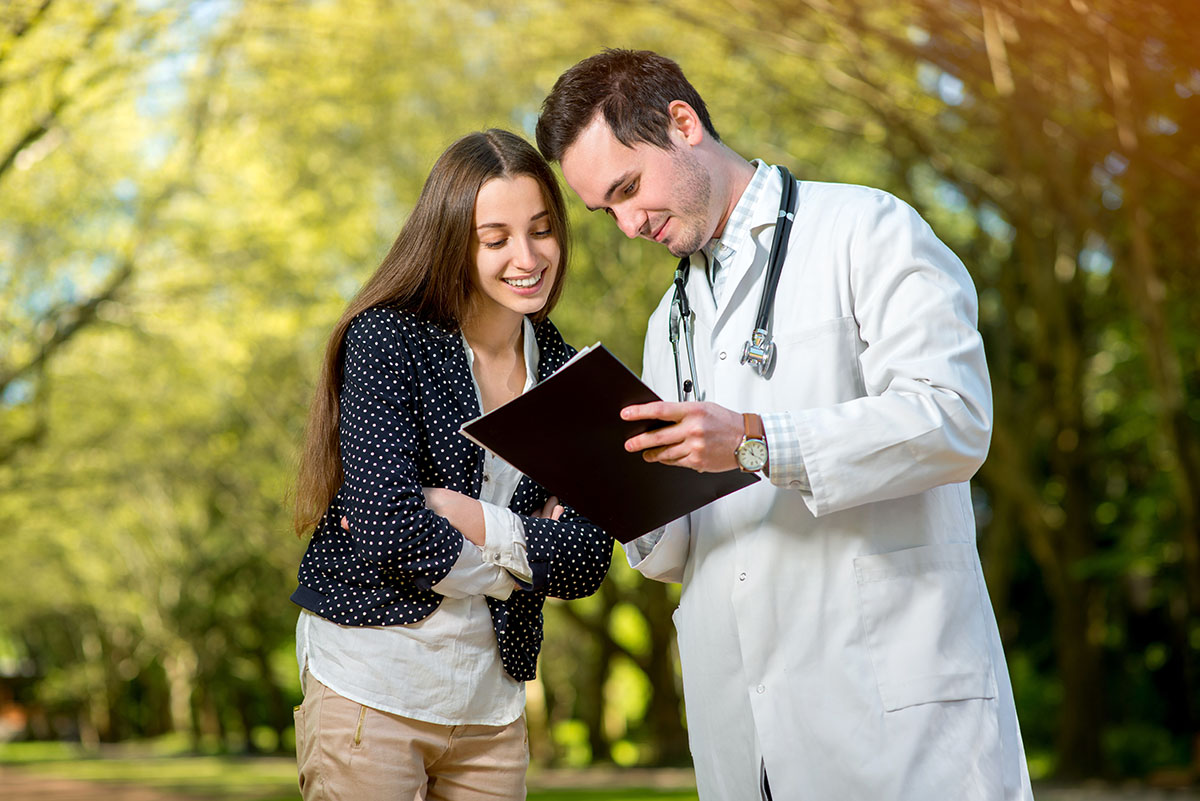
(683, 249)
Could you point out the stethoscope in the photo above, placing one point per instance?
(759, 350)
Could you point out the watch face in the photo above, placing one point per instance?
(752, 455)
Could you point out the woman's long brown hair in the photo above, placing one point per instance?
(429, 272)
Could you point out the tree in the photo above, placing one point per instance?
(189, 193)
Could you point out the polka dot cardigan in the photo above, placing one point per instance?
(406, 390)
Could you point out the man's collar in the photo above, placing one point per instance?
(742, 219)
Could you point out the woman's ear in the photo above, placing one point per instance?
(685, 122)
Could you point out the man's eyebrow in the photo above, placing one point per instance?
(613, 188)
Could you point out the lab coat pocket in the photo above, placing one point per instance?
(824, 359)
(925, 624)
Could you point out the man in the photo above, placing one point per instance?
(834, 627)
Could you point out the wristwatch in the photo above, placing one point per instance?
(751, 452)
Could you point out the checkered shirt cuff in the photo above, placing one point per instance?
(783, 444)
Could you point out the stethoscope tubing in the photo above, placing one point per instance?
(681, 310)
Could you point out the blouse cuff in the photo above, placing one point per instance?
(471, 575)
(504, 541)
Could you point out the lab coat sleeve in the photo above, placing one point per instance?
(660, 554)
(927, 415)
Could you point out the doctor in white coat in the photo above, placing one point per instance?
(835, 632)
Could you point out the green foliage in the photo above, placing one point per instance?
(190, 192)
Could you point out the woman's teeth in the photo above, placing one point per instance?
(523, 283)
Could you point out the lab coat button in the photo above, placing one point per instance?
(741, 576)
(761, 689)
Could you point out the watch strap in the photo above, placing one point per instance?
(753, 426)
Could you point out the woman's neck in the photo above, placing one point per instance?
(495, 334)
(499, 357)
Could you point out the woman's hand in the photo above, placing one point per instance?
(463, 511)
(552, 510)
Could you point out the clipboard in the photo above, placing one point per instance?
(567, 434)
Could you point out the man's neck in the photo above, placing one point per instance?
(735, 174)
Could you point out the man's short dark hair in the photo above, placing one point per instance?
(632, 88)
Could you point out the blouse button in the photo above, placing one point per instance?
(721, 355)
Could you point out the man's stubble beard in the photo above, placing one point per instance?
(694, 193)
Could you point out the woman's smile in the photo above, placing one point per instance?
(529, 282)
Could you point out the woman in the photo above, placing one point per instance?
(423, 584)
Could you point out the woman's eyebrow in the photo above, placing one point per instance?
(534, 218)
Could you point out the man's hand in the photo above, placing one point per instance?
(703, 436)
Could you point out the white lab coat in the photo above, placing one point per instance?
(843, 636)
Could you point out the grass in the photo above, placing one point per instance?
(227, 777)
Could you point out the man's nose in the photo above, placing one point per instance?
(629, 223)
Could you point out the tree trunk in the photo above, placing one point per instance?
(1082, 715)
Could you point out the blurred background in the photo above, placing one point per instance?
(190, 192)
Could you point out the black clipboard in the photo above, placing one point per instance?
(567, 434)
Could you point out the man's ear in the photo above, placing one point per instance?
(685, 122)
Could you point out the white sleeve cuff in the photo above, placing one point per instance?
(661, 554)
(504, 541)
(783, 445)
(471, 575)
(637, 550)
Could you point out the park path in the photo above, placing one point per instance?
(20, 785)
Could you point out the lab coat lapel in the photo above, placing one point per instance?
(700, 294)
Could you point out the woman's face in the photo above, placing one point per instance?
(516, 252)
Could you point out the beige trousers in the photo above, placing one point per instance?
(349, 752)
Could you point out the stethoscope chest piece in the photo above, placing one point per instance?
(759, 353)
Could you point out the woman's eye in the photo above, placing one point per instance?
(542, 234)
(495, 245)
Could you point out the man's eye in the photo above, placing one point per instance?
(631, 188)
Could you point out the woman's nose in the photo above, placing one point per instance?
(525, 257)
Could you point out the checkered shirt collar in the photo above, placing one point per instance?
(737, 228)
